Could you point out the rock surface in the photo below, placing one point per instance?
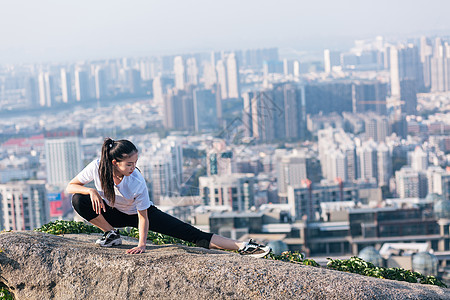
(41, 266)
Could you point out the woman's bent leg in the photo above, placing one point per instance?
(82, 204)
(166, 224)
(107, 219)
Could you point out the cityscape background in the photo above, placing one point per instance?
(312, 127)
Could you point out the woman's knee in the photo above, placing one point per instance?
(80, 200)
(203, 239)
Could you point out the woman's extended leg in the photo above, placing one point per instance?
(167, 224)
(220, 242)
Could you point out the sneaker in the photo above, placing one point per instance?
(110, 238)
(254, 250)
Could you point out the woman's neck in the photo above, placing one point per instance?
(120, 177)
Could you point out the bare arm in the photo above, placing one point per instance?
(143, 231)
(76, 187)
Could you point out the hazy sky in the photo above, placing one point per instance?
(58, 30)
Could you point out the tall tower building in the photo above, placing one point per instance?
(276, 113)
(205, 109)
(179, 71)
(384, 161)
(46, 89)
(337, 166)
(369, 96)
(24, 205)
(134, 81)
(158, 92)
(331, 59)
(81, 85)
(158, 171)
(179, 110)
(406, 76)
(234, 191)
(411, 183)
(426, 52)
(63, 158)
(100, 83)
(222, 79)
(66, 86)
(291, 170)
(32, 92)
(192, 71)
(367, 157)
(419, 159)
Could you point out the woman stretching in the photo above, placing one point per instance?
(120, 199)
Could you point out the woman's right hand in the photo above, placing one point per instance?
(97, 201)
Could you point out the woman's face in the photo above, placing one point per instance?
(126, 166)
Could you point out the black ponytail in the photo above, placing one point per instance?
(118, 150)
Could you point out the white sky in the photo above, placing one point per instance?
(56, 30)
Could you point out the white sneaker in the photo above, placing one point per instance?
(254, 250)
(110, 238)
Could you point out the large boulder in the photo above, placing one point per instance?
(41, 266)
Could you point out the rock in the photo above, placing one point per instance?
(36, 265)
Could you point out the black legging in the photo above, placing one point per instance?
(159, 221)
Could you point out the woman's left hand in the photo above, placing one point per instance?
(136, 250)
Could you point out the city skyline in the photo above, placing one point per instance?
(78, 30)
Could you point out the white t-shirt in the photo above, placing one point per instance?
(131, 192)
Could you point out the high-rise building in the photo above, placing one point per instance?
(367, 158)
(222, 79)
(32, 92)
(81, 85)
(234, 89)
(63, 157)
(305, 201)
(426, 52)
(277, 113)
(411, 183)
(219, 160)
(160, 87)
(419, 159)
(376, 127)
(134, 82)
(291, 170)
(192, 71)
(331, 59)
(180, 73)
(406, 76)
(24, 205)
(101, 85)
(234, 191)
(328, 97)
(179, 110)
(337, 154)
(384, 161)
(157, 170)
(254, 58)
(46, 89)
(66, 86)
(205, 109)
(369, 96)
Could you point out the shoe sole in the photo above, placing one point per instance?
(259, 255)
(116, 242)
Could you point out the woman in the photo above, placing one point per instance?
(120, 199)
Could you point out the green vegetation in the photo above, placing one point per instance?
(66, 227)
(4, 293)
(359, 266)
(352, 265)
